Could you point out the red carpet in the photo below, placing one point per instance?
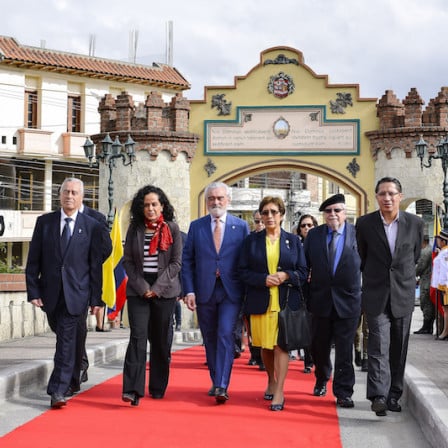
(187, 417)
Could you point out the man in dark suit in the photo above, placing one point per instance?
(389, 243)
(63, 277)
(106, 244)
(334, 298)
(210, 281)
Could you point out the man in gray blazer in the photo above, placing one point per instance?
(389, 243)
(334, 298)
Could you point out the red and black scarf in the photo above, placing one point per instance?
(162, 238)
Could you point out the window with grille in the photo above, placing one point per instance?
(74, 113)
(31, 102)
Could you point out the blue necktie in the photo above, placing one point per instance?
(332, 249)
(66, 235)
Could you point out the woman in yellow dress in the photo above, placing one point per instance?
(272, 266)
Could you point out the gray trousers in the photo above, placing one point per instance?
(387, 351)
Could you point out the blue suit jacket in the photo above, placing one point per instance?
(78, 274)
(341, 290)
(254, 269)
(200, 260)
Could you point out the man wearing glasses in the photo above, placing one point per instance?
(211, 282)
(334, 298)
(389, 242)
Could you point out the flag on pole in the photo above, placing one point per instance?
(433, 291)
(114, 275)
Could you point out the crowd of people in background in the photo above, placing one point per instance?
(358, 281)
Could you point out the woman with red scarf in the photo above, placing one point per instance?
(152, 260)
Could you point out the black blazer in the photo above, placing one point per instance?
(341, 290)
(253, 270)
(78, 273)
(105, 234)
(385, 276)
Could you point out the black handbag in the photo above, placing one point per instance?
(294, 326)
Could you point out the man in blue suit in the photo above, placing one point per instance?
(334, 298)
(211, 283)
(64, 277)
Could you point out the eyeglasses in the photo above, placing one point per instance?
(257, 221)
(331, 210)
(383, 194)
(306, 225)
(268, 212)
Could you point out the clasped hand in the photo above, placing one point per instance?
(276, 279)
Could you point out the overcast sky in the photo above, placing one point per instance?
(378, 44)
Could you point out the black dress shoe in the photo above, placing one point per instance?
(423, 330)
(221, 395)
(131, 397)
(252, 362)
(307, 369)
(72, 390)
(211, 391)
(277, 407)
(268, 397)
(57, 401)
(345, 402)
(379, 406)
(83, 377)
(393, 405)
(320, 390)
(102, 330)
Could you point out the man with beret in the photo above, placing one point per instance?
(389, 243)
(334, 298)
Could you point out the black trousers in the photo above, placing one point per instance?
(150, 320)
(66, 367)
(325, 331)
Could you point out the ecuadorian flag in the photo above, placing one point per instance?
(114, 275)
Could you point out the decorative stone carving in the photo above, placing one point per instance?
(210, 167)
(281, 85)
(281, 59)
(218, 101)
(353, 167)
(342, 101)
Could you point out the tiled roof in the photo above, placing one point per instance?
(161, 75)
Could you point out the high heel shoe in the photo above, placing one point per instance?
(131, 397)
(268, 396)
(277, 407)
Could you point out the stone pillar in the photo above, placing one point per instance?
(180, 113)
(154, 108)
(389, 110)
(108, 113)
(413, 109)
(441, 107)
(125, 109)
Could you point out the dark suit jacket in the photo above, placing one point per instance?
(341, 290)
(106, 242)
(254, 269)
(200, 260)
(78, 273)
(385, 276)
(169, 263)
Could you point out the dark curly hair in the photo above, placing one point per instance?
(137, 214)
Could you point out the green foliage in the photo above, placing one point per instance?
(4, 268)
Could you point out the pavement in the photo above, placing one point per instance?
(26, 364)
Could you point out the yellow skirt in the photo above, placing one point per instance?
(264, 329)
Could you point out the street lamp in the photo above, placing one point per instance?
(110, 152)
(442, 153)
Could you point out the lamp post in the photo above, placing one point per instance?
(421, 148)
(110, 152)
